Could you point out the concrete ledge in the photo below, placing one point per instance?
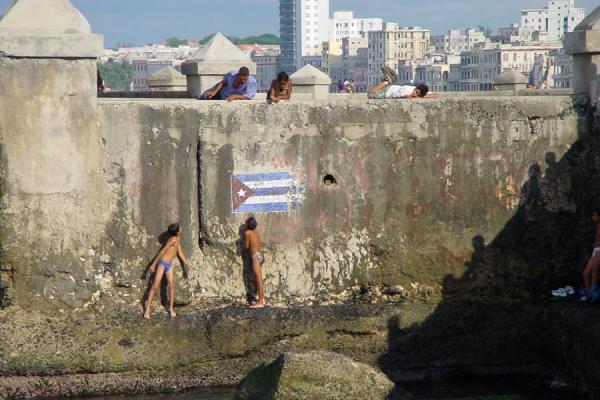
(298, 97)
(162, 94)
(582, 42)
(59, 46)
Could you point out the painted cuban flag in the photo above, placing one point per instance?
(269, 192)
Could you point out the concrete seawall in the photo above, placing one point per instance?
(421, 188)
(416, 181)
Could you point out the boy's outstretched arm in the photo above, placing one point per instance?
(183, 257)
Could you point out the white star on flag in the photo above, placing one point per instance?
(242, 193)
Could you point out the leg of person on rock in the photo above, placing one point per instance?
(155, 286)
(258, 281)
(171, 287)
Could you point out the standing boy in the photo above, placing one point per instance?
(254, 248)
(161, 265)
(590, 273)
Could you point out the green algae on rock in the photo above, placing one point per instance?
(314, 375)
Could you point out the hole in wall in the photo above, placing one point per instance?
(329, 180)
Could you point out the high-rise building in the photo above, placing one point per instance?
(304, 26)
(343, 24)
(557, 18)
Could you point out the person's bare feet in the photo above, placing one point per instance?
(146, 311)
(146, 316)
(258, 305)
(172, 313)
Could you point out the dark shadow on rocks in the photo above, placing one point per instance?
(497, 318)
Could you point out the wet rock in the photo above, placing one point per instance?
(314, 375)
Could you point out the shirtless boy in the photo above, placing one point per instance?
(253, 247)
(162, 266)
(590, 273)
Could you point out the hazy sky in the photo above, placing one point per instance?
(146, 21)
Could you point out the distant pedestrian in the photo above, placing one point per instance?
(341, 86)
(99, 82)
(234, 86)
(350, 86)
(281, 88)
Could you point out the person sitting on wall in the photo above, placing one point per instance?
(385, 90)
(161, 266)
(281, 88)
(234, 86)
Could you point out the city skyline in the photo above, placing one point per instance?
(114, 18)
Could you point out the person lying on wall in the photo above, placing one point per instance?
(234, 86)
(385, 89)
(281, 88)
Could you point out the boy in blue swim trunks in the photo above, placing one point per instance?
(162, 265)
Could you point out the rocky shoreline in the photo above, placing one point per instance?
(118, 352)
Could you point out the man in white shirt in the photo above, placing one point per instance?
(385, 90)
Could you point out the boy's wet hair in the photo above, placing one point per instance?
(283, 76)
(596, 211)
(251, 223)
(173, 229)
(423, 90)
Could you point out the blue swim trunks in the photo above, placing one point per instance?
(166, 265)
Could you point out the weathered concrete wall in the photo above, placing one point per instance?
(55, 202)
(416, 181)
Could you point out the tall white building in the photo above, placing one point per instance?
(304, 26)
(557, 18)
(343, 24)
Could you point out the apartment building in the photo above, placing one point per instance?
(394, 46)
(142, 69)
(479, 67)
(267, 68)
(435, 72)
(304, 26)
(343, 24)
(557, 18)
(455, 42)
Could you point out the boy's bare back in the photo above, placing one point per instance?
(253, 241)
(597, 240)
